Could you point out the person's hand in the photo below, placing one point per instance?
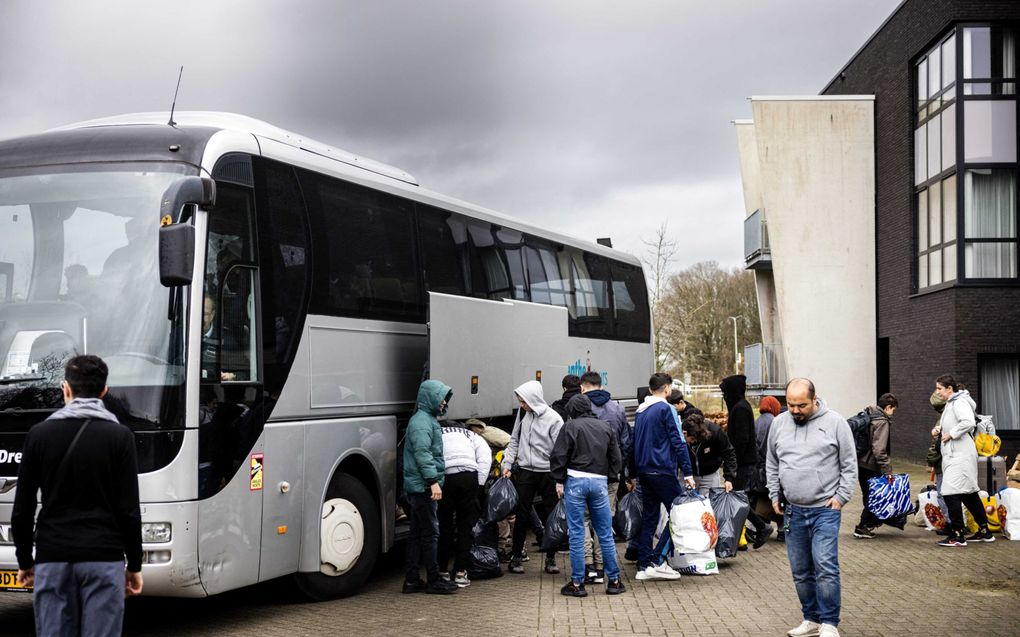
(946, 438)
(132, 583)
(631, 485)
(689, 482)
(777, 508)
(889, 478)
(834, 504)
(728, 486)
(559, 491)
(936, 430)
(228, 376)
(437, 492)
(506, 473)
(26, 577)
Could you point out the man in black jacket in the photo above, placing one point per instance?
(684, 409)
(585, 454)
(571, 387)
(90, 514)
(740, 429)
(709, 448)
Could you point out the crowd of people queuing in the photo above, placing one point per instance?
(798, 465)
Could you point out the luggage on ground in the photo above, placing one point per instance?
(501, 501)
(484, 554)
(694, 563)
(991, 481)
(928, 503)
(555, 528)
(991, 505)
(1009, 513)
(730, 510)
(627, 521)
(692, 523)
(890, 500)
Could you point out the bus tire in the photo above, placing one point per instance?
(348, 504)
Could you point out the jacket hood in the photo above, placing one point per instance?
(579, 407)
(823, 408)
(598, 396)
(531, 393)
(649, 401)
(430, 394)
(85, 408)
(733, 388)
(963, 395)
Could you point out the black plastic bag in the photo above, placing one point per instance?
(555, 528)
(484, 555)
(502, 500)
(731, 511)
(627, 521)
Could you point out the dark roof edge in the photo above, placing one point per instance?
(863, 46)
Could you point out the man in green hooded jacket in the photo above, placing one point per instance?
(423, 484)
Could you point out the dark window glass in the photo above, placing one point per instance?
(591, 279)
(444, 249)
(489, 275)
(364, 240)
(548, 285)
(512, 244)
(630, 303)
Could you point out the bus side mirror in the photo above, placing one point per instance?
(176, 254)
(176, 239)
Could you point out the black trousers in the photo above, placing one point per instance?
(529, 484)
(421, 543)
(868, 518)
(458, 512)
(744, 473)
(973, 503)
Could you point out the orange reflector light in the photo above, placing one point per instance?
(280, 530)
(538, 375)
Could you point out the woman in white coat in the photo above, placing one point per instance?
(959, 463)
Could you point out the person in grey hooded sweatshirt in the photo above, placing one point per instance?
(526, 461)
(959, 463)
(812, 462)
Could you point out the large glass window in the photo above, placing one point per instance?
(444, 248)
(989, 131)
(1000, 390)
(989, 61)
(548, 285)
(936, 233)
(990, 223)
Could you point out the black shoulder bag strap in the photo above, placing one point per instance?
(62, 469)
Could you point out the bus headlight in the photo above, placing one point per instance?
(155, 532)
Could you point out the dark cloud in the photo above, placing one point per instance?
(564, 113)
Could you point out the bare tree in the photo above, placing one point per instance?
(660, 255)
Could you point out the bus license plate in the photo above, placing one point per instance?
(9, 581)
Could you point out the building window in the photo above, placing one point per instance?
(936, 236)
(989, 61)
(1000, 390)
(990, 223)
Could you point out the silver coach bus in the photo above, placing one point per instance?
(267, 306)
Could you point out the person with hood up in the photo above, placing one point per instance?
(659, 451)
(585, 457)
(740, 429)
(875, 462)
(424, 469)
(526, 461)
(571, 384)
(812, 461)
(959, 463)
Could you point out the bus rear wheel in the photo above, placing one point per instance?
(349, 535)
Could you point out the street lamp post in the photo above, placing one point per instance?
(736, 359)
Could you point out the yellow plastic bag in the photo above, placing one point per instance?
(968, 520)
(991, 505)
(743, 538)
(987, 444)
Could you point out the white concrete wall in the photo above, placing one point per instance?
(811, 168)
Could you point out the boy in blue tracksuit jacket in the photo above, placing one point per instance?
(659, 451)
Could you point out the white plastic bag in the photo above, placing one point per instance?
(928, 501)
(1009, 513)
(692, 524)
(694, 563)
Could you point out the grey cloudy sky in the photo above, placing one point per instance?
(594, 118)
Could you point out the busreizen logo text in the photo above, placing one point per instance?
(578, 368)
(9, 456)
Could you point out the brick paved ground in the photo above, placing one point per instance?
(897, 584)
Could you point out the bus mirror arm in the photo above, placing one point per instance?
(200, 191)
(177, 240)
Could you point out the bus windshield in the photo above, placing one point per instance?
(79, 274)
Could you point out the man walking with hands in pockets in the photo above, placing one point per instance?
(812, 463)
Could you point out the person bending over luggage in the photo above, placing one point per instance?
(584, 458)
(709, 448)
(467, 459)
(875, 462)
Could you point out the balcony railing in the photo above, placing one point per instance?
(757, 253)
(764, 366)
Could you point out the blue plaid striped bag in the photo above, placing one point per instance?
(889, 500)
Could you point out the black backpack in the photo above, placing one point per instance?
(860, 425)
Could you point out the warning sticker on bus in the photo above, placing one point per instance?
(9, 581)
(255, 484)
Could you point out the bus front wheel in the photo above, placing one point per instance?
(349, 532)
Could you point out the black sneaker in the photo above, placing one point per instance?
(631, 555)
(954, 541)
(944, 531)
(570, 589)
(589, 573)
(515, 566)
(504, 557)
(441, 587)
(551, 568)
(864, 533)
(983, 535)
(600, 576)
(615, 587)
(762, 536)
(413, 587)
(780, 537)
(524, 555)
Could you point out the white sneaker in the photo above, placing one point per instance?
(662, 571)
(828, 630)
(806, 629)
(462, 580)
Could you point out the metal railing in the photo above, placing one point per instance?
(764, 365)
(757, 252)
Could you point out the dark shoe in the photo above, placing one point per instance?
(570, 589)
(538, 541)
(631, 555)
(600, 575)
(780, 537)
(615, 587)
(504, 557)
(863, 533)
(551, 568)
(515, 566)
(441, 587)
(413, 587)
(524, 555)
(983, 535)
(944, 531)
(953, 541)
(589, 573)
(762, 536)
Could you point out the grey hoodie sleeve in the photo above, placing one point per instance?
(510, 453)
(847, 464)
(772, 463)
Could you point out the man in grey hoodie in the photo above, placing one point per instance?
(812, 463)
(526, 460)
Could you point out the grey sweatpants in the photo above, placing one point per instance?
(79, 598)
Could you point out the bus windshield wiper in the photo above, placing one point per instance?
(10, 380)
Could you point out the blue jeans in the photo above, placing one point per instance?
(656, 490)
(592, 493)
(79, 598)
(812, 547)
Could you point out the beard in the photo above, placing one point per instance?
(800, 419)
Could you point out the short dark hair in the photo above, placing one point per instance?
(947, 380)
(802, 381)
(592, 378)
(659, 380)
(675, 396)
(571, 381)
(695, 426)
(86, 374)
(887, 400)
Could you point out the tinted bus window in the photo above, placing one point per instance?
(444, 249)
(548, 285)
(630, 303)
(364, 242)
(488, 269)
(591, 281)
(512, 244)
